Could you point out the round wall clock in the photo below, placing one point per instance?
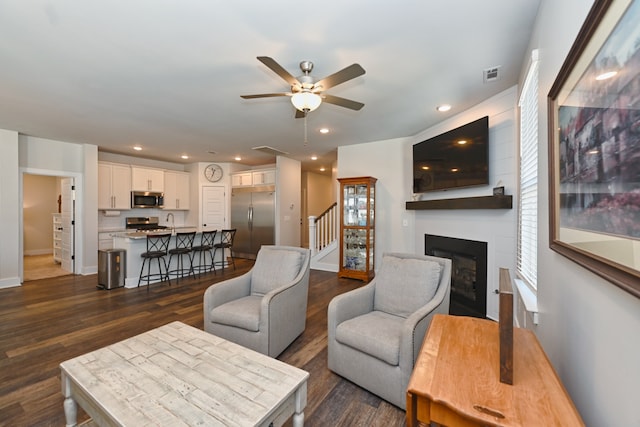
(213, 172)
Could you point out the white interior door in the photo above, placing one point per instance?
(67, 217)
(213, 207)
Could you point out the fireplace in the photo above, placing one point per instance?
(468, 272)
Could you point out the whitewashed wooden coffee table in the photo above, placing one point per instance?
(177, 375)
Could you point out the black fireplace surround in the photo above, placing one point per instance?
(468, 272)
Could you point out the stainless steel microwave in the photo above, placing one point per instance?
(147, 199)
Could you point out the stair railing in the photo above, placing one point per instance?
(323, 229)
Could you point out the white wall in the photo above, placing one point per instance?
(317, 196)
(86, 209)
(319, 193)
(9, 209)
(288, 208)
(588, 327)
(198, 181)
(496, 227)
(400, 230)
(389, 162)
(58, 158)
(140, 161)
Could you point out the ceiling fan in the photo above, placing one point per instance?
(306, 93)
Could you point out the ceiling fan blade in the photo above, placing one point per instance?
(342, 102)
(351, 72)
(300, 114)
(277, 68)
(264, 95)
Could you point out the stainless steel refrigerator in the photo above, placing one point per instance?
(253, 216)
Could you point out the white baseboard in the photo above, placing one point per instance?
(11, 282)
(92, 269)
(33, 252)
(323, 266)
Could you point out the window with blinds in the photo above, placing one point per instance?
(527, 258)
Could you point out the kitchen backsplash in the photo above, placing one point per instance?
(106, 222)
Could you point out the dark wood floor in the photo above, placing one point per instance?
(47, 321)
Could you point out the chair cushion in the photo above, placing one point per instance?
(153, 254)
(242, 313)
(376, 333)
(274, 268)
(405, 284)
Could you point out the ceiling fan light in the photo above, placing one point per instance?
(306, 101)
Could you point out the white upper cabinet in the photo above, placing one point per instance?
(147, 179)
(264, 177)
(241, 179)
(114, 186)
(176, 190)
(248, 178)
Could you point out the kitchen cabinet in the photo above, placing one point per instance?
(241, 179)
(176, 190)
(114, 186)
(147, 179)
(57, 238)
(263, 177)
(249, 178)
(357, 227)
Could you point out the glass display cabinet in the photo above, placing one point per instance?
(357, 227)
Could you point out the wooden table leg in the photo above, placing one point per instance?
(412, 414)
(301, 402)
(70, 405)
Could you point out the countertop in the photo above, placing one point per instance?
(111, 230)
(135, 235)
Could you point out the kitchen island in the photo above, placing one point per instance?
(135, 243)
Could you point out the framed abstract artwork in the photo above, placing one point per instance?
(594, 146)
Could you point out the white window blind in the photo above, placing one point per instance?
(527, 261)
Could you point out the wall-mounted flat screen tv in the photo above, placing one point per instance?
(457, 158)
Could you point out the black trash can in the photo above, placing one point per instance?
(112, 266)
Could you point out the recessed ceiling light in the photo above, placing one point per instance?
(238, 158)
(426, 168)
(184, 156)
(462, 141)
(137, 148)
(322, 169)
(314, 157)
(443, 108)
(454, 169)
(607, 75)
(324, 130)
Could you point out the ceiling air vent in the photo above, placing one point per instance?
(491, 74)
(269, 150)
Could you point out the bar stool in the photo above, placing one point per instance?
(184, 243)
(157, 246)
(205, 246)
(226, 242)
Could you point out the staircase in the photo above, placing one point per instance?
(323, 240)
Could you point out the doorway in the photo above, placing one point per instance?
(48, 212)
(213, 207)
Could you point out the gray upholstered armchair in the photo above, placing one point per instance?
(265, 309)
(376, 331)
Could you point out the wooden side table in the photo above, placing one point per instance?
(456, 379)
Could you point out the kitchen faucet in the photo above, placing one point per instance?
(173, 222)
